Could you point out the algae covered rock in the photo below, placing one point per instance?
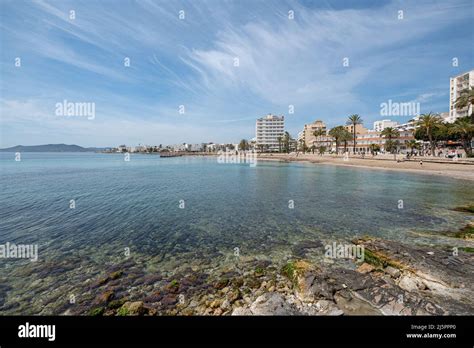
(132, 308)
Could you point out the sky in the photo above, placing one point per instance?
(204, 71)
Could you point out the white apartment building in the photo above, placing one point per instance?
(194, 147)
(300, 136)
(445, 116)
(456, 85)
(268, 129)
(409, 125)
(178, 147)
(381, 125)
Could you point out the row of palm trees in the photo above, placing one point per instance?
(430, 127)
(340, 134)
(285, 142)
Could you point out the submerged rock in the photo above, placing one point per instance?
(303, 247)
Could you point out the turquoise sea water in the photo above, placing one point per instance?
(139, 205)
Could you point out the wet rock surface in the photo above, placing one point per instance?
(393, 279)
(400, 280)
(272, 303)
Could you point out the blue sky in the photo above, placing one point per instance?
(190, 62)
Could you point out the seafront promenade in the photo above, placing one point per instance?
(458, 169)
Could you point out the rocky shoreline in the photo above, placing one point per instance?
(394, 279)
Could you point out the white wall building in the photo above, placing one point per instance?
(300, 136)
(211, 147)
(381, 125)
(456, 85)
(409, 125)
(268, 129)
(194, 147)
(445, 116)
(178, 147)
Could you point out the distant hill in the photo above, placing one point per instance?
(51, 148)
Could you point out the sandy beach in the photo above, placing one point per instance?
(462, 169)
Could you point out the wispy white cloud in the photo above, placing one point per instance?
(191, 62)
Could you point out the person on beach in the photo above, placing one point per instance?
(421, 162)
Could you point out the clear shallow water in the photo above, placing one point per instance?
(136, 205)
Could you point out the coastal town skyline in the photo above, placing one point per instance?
(458, 84)
(210, 84)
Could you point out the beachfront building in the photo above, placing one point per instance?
(364, 141)
(410, 125)
(456, 85)
(268, 130)
(381, 125)
(178, 147)
(194, 147)
(123, 148)
(300, 137)
(325, 141)
(445, 116)
(360, 129)
(209, 147)
(308, 134)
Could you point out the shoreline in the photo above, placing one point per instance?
(463, 171)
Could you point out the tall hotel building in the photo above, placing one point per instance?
(268, 129)
(456, 85)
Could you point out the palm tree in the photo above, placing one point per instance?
(345, 137)
(412, 144)
(300, 145)
(280, 139)
(374, 148)
(464, 129)
(244, 145)
(318, 133)
(286, 142)
(390, 133)
(391, 146)
(428, 123)
(336, 133)
(322, 150)
(354, 120)
(466, 98)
